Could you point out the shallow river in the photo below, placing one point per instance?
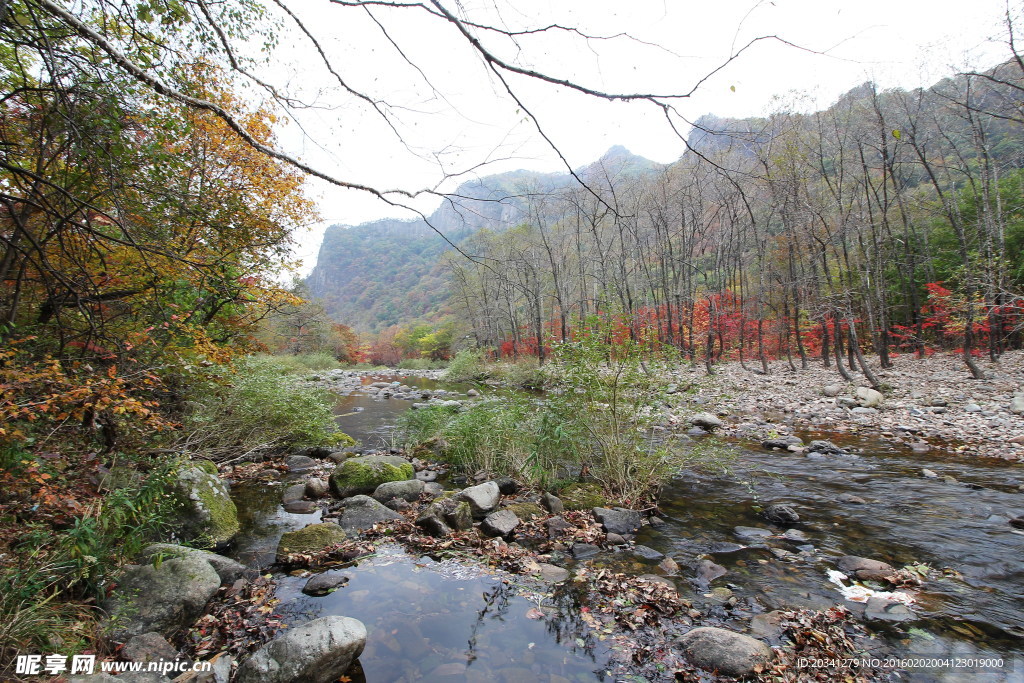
(443, 622)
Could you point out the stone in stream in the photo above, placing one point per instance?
(482, 498)
(614, 539)
(782, 442)
(293, 493)
(880, 609)
(227, 569)
(323, 584)
(865, 569)
(310, 539)
(826, 447)
(750, 533)
(363, 474)
(706, 421)
(780, 514)
(500, 523)
(299, 463)
(708, 571)
(716, 649)
(301, 507)
(646, 553)
(362, 512)
(316, 488)
(160, 598)
(582, 551)
(619, 520)
(769, 625)
(319, 651)
(851, 499)
(550, 573)
(409, 490)
(928, 474)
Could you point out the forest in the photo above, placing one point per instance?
(890, 222)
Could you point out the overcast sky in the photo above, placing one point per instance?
(446, 114)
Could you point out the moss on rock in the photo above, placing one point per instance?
(582, 497)
(312, 538)
(209, 516)
(526, 511)
(362, 475)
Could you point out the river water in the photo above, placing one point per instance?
(443, 621)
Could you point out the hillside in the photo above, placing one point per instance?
(389, 271)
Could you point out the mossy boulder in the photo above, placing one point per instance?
(526, 510)
(582, 497)
(310, 539)
(362, 475)
(208, 515)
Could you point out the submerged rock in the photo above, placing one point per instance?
(780, 514)
(325, 583)
(316, 652)
(716, 649)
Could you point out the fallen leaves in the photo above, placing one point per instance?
(239, 619)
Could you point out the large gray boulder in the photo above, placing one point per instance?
(481, 498)
(500, 523)
(208, 515)
(362, 512)
(363, 474)
(227, 569)
(159, 598)
(716, 649)
(408, 490)
(619, 520)
(706, 421)
(317, 652)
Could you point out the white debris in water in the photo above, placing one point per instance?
(856, 592)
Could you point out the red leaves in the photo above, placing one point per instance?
(240, 619)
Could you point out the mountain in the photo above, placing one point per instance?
(390, 271)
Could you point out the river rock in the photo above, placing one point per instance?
(208, 515)
(556, 526)
(708, 571)
(325, 583)
(825, 447)
(432, 521)
(552, 574)
(299, 463)
(582, 551)
(929, 474)
(500, 523)
(1017, 404)
(310, 539)
(482, 498)
(647, 554)
(227, 569)
(780, 514)
(716, 649)
(319, 651)
(831, 390)
(552, 503)
(868, 397)
(782, 442)
(851, 499)
(769, 625)
(162, 599)
(583, 496)
(618, 520)
(614, 539)
(865, 569)
(433, 489)
(880, 609)
(293, 493)
(408, 490)
(507, 485)
(362, 512)
(706, 421)
(751, 533)
(149, 647)
(363, 474)
(316, 488)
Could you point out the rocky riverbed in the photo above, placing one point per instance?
(928, 403)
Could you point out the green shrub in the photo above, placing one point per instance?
(421, 364)
(257, 407)
(467, 366)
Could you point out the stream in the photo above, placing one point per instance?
(445, 621)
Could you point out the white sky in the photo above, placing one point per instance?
(467, 119)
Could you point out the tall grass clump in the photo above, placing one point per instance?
(257, 407)
(467, 366)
